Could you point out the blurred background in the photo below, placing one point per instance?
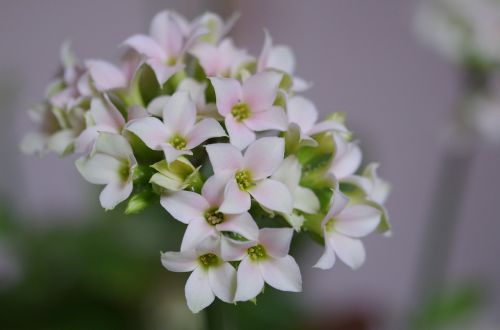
(65, 264)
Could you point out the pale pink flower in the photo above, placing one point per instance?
(248, 175)
(248, 107)
(263, 260)
(343, 227)
(179, 132)
(203, 216)
(112, 163)
(211, 276)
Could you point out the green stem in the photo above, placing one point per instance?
(215, 317)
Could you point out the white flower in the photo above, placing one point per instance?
(112, 163)
(247, 175)
(347, 158)
(264, 260)
(342, 227)
(178, 133)
(203, 216)
(211, 276)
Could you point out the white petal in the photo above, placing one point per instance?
(224, 157)
(357, 220)
(305, 200)
(347, 158)
(276, 241)
(204, 130)
(198, 292)
(259, 91)
(239, 135)
(349, 250)
(151, 131)
(156, 106)
(289, 172)
(338, 203)
(197, 231)
(171, 153)
(167, 33)
(232, 250)
(106, 76)
(327, 260)
(179, 113)
(263, 60)
(106, 115)
(115, 145)
(249, 280)
(213, 189)
(327, 126)
(163, 71)
(136, 112)
(274, 195)
(235, 200)
(179, 261)
(264, 156)
(147, 46)
(99, 169)
(185, 205)
(242, 224)
(302, 112)
(282, 274)
(272, 119)
(115, 193)
(86, 140)
(227, 94)
(282, 58)
(222, 280)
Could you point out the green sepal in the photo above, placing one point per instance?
(313, 225)
(384, 226)
(140, 201)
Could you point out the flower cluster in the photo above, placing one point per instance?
(224, 142)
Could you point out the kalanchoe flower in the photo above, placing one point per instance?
(112, 163)
(342, 227)
(178, 133)
(248, 107)
(203, 216)
(247, 175)
(264, 260)
(164, 48)
(211, 276)
(347, 158)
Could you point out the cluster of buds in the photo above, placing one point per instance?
(225, 144)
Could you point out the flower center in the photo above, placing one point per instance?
(329, 225)
(208, 260)
(178, 142)
(171, 61)
(240, 111)
(257, 252)
(213, 217)
(243, 179)
(124, 171)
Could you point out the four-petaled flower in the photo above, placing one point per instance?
(247, 175)
(248, 107)
(178, 133)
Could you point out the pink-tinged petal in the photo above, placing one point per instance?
(115, 193)
(235, 200)
(179, 114)
(350, 250)
(305, 200)
(227, 94)
(327, 259)
(357, 220)
(264, 53)
(239, 135)
(198, 292)
(347, 158)
(167, 33)
(213, 189)
(302, 112)
(264, 157)
(136, 112)
(282, 274)
(106, 76)
(156, 106)
(211, 244)
(146, 46)
(338, 203)
(274, 118)
(151, 131)
(249, 280)
(259, 91)
(86, 140)
(185, 206)
(179, 261)
(224, 157)
(242, 224)
(106, 115)
(276, 241)
(204, 130)
(274, 195)
(99, 169)
(222, 280)
(328, 126)
(163, 71)
(282, 58)
(197, 231)
(208, 56)
(116, 146)
(289, 172)
(232, 250)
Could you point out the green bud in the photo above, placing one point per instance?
(178, 175)
(140, 201)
